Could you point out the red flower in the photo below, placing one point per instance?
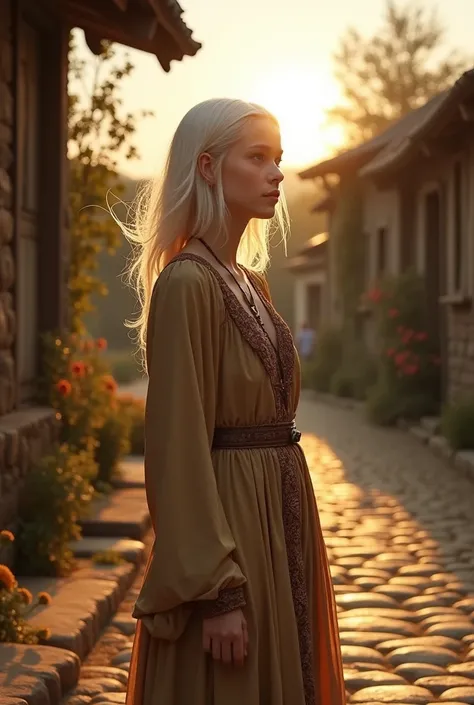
(101, 344)
(411, 369)
(390, 352)
(78, 369)
(407, 336)
(394, 313)
(109, 383)
(374, 295)
(421, 336)
(64, 387)
(401, 358)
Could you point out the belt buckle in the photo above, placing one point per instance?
(295, 435)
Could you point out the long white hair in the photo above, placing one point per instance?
(179, 205)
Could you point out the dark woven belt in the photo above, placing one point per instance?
(270, 436)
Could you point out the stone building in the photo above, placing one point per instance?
(416, 181)
(33, 190)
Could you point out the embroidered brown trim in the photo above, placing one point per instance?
(229, 599)
(286, 348)
(264, 436)
(292, 528)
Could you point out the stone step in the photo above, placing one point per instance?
(128, 549)
(131, 473)
(81, 604)
(36, 675)
(431, 424)
(124, 513)
(420, 433)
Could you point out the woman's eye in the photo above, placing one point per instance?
(258, 157)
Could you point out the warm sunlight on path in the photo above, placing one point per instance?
(399, 528)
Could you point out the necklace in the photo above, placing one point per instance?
(255, 312)
(247, 296)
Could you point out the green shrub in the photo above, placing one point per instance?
(358, 372)
(327, 359)
(134, 409)
(457, 424)
(112, 444)
(77, 383)
(408, 378)
(109, 557)
(16, 606)
(124, 366)
(342, 384)
(56, 495)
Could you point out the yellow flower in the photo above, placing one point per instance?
(43, 634)
(44, 598)
(7, 579)
(26, 596)
(6, 537)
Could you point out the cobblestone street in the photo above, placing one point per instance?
(399, 528)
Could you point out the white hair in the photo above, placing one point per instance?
(171, 210)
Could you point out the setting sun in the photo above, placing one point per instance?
(299, 99)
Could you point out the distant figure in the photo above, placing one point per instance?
(305, 340)
(237, 605)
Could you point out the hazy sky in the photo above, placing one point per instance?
(277, 52)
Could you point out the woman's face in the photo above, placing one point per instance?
(250, 173)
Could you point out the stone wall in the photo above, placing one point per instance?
(25, 436)
(460, 354)
(7, 265)
(25, 433)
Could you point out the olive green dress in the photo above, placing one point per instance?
(233, 527)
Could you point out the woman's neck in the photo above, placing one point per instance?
(226, 247)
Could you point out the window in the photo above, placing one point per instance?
(28, 217)
(458, 222)
(381, 250)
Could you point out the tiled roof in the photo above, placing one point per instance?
(362, 154)
(154, 26)
(447, 104)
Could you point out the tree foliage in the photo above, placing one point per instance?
(395, 71)
(100, 131)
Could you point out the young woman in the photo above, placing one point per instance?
(237, 605)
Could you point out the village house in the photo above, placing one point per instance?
(416, 185)
(33, 190)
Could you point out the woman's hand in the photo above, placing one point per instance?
(226, 637)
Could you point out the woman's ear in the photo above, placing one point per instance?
(206, 168)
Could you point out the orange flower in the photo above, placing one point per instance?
(64, 387)
(7, 579)
(44, 634)
(26, 596)
(78, 369)
(101, 344)
(109, 383)
(6, 537)
(44, 598)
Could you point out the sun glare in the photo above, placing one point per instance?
(299, 99)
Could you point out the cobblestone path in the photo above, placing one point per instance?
(399, 528)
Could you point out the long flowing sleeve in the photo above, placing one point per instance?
(192, 558)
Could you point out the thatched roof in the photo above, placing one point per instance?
(154, 26)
